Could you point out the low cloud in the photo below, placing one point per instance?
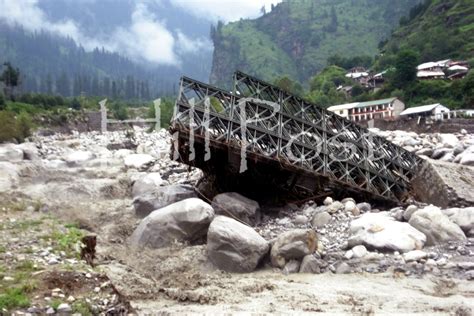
(225, 10)
(145, 39)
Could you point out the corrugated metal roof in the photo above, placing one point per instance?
(360, 104)
(421, 109)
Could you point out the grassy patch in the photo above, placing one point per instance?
(68, 241)
(14, 298)
(82, 307)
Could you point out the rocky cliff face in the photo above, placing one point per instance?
(297, 37)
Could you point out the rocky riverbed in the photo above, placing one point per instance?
(160, 248)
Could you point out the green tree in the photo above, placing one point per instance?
(10, 78)
(288, 85)
(2, 102)
(468, 90)
(119, 110)
(405, 64)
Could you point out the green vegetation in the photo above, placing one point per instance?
(13, 298)
(323, 87)
(297, 37)
(436, 30)
(68, 241)
(82, 307)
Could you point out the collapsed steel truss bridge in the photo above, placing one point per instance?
(261, 137)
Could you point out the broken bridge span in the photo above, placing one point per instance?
(260, 138)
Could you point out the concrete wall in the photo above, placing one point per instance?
(398, 107)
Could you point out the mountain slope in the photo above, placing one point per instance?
(437, 30)
(297, 37)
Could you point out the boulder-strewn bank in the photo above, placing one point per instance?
(158, 245)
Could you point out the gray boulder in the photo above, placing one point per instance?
(11, 153)
(293, 266)
(409, 212)
(382, 232)
(146, 184)
(321, 219)
(233, 246)
(436, 226)
(236, 206)
(463, 217)
(186, 220)
(335, 207)
(311, 264)
(294, 244)
(364, 207)
(161, 197)
(30, 151)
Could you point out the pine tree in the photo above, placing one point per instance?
(63, 85)
(11, 79)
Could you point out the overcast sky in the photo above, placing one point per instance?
(147, 38)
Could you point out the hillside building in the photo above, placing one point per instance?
(362, 111)
(434, 111)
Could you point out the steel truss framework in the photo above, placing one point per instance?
(264, 121)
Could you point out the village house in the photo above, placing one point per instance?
(434, 111)
(442, 69)
(362, 111)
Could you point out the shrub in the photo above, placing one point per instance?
(23, 126)
(8, 128)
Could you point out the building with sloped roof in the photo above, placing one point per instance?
(435, 111)
(363, 111)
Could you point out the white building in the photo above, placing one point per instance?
(435, 111)
(362, 111)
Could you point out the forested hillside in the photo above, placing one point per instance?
(435, 30)
(51, 64)
(296, 38)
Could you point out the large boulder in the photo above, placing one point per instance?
(320, 219)
(311, 264)
(138, 161)
(467, 159)
(294, 244)
(161, 197)
(30, 151)
(11, 153)
(236, 206)
(382, 232)
(463, 217)
(9, 176)
(148, 183)
(78, 157)
(233, 246)
(183, 221)
(436, 226)
(448, 140)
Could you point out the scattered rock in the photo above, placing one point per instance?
(359, 251)
(78, 157)
(9, 176)
(64, 308)
(293, 266)
(233, 246)
(310, 264)
(409, 212)
(294, 244)
(343, 268)
(10, 153)
(328, 201)
(463, 217)
(138, 161)
(351, 207)
(321, 219)
(414, 255)
(146, 184)
(186, 220)
(335, 207)
(364, 207)
(236, 206)
(380, 231)
(436, 226)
